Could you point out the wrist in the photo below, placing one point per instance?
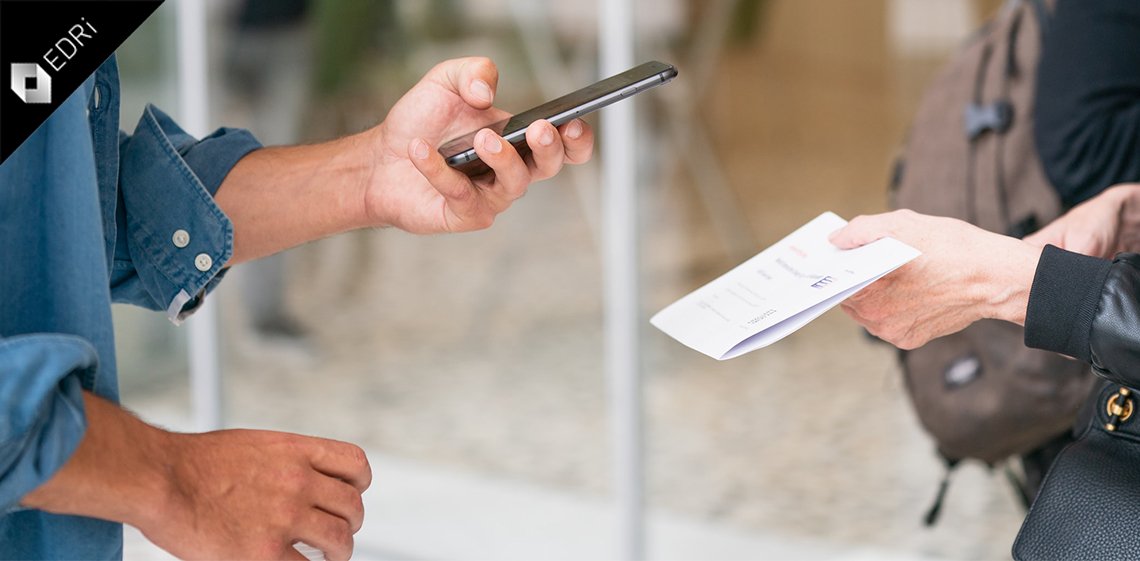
(148, 495)
(362, 163)
(377, 158)
(119, 472)
(1011, 282)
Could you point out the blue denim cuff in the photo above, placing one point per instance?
(42, 417)
(178, 239)
(213, 156)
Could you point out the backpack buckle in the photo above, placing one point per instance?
(996, 116)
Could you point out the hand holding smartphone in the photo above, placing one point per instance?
(460, 152)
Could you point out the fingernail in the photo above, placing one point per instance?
(420, 149)
(492, 143)
(546, 138)
(481, 90)
(574, 129)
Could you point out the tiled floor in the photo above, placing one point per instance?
(482, 352)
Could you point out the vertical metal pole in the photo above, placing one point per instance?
(620, 268)
(205, 372)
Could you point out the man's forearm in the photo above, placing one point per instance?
(230, 494)
(119, 471)
(281, 197)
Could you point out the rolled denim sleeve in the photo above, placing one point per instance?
(177, 240)
(41, 408)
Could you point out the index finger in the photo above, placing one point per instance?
(341, 460)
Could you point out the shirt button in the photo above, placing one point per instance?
(203, 262)
(181, 238)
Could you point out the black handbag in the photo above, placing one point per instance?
(1089, 504)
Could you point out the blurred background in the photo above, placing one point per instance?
(471, 366)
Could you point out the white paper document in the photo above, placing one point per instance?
(778, 291)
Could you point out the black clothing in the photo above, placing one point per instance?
(1087, 119)
(1114, 342)
(1062, 302)
(1089, 309)
(1087, 108)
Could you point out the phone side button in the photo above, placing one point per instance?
(629, 91)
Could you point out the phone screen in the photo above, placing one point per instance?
(461, 155)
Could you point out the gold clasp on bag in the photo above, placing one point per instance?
(1119, 408)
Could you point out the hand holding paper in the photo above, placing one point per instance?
(778, 291)
(965, 274)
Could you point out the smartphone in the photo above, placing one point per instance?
(460, 153)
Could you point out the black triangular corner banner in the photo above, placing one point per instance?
(47, 50)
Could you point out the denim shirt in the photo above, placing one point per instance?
(91, 215)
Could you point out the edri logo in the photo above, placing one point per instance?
(56, 57)
(22, 73)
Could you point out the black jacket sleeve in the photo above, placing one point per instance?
(1115, 340)
(1087, 107)
(1089, 309)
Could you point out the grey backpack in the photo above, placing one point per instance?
(981, 393)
